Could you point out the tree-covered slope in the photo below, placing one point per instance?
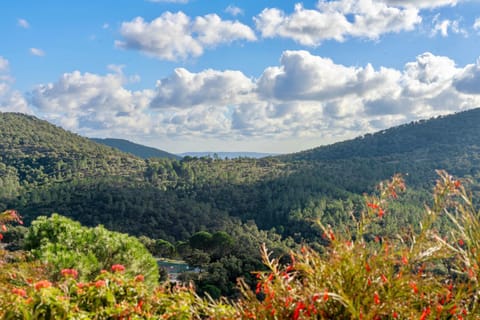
(34, 152)
(446, 133)
(136, 149)
(47, 169)
(416, 149)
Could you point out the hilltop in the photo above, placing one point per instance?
(136, 149)
(36, 152)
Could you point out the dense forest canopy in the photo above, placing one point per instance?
(277, 200)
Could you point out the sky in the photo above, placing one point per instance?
(265, 76)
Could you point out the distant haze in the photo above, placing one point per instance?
(229, 155)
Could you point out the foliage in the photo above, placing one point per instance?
(110, 295)
(419, 274)
(414, 275)
(64, 244)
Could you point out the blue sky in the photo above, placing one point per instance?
(266, 76)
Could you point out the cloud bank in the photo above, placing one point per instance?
(304, 96)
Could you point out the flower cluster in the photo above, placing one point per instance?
(69, 273)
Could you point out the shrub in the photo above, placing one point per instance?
(65, 244)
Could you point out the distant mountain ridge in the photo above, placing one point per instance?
(450, 133)
(136, 149)
(228, 155)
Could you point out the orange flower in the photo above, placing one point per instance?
(100, 283)
(19, 292)
(42, 284)
(70, 273)
(118, 268)
(376, 298)
(139, 278)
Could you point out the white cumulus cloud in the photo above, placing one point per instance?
(37, 52)
(423, 4)
(336, 20)
(174, 36)
(85, 100)
(210, 87)
(476, 24)
(445, 26)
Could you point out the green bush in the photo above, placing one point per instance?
(65, 244)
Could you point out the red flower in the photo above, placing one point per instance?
(425, 313)
(384, 278)
(1, 236)
(373, 205)
(42, 284)
(376, 298)
(439, 308)
(325, 295)
(404, 260)
(461, 242)
(139, 278)
(70, 273)
(367, 267)
(296, 313)
(380, 212)
(332, 236)
(457, 184)
(100, 283)
(414, 287)
(118, 268)
(19, 292)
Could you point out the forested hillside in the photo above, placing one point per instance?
(35, 152)
(278, 200)
(136, 149)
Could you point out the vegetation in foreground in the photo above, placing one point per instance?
(423, 274)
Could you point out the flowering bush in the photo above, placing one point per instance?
(421, 274)
(112, 295)
(414, 276)
(62, 244)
